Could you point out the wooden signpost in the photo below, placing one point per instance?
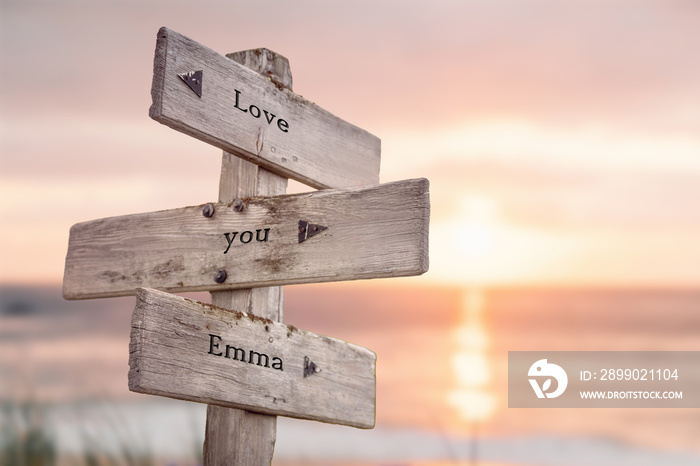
(235, 354)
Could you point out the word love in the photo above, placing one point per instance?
(246, 237)
(255, 113)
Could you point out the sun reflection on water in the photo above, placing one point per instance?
(472, 396)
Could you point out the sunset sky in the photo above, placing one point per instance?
(561, 138)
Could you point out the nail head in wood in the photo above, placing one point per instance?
(208, 210)
(220, 276)
(238, 205)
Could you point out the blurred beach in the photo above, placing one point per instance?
(441, 375)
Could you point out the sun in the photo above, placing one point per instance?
(476, 234)
(478, 244)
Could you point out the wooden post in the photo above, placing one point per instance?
(236, 437)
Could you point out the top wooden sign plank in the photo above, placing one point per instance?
(210, 97)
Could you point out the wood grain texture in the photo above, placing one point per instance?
(317, 148)
(375, 232)
(235, 437)
(194, 351)
(266, 63)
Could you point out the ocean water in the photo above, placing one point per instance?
(441, 375)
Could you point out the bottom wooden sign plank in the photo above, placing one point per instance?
(194, 351)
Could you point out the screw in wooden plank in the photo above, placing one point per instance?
(220, 276)
(208, 210)
(238, 205)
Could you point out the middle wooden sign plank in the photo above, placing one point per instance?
(330, 235)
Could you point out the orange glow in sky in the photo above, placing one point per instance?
(560, 139)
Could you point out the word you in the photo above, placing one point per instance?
(245, 237)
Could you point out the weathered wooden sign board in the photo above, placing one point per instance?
(330, 235)
(204, 94)
(246, 367)
(198, 352)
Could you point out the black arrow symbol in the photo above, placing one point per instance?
(194, 80)
(307, 230)
(310, 368)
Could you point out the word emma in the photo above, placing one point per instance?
(256, 113)
(239, 354)
(246, 237)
